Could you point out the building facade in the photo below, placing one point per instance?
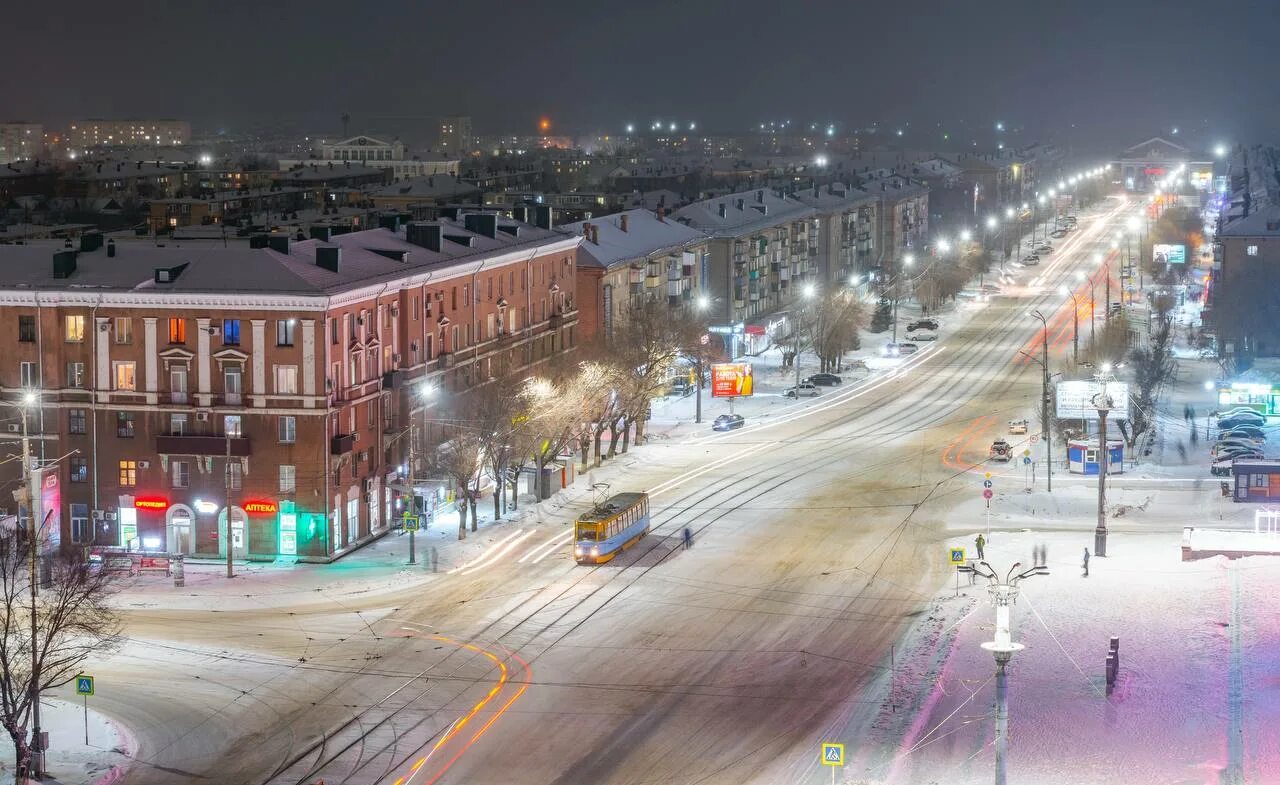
(20, 141)
(375, 153)
(271, 386)
(633, 258)
(90, 134)
(455, 136)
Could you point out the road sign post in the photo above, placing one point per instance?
(411, 524)
(833, 756)
(957, 558)
(84, 688)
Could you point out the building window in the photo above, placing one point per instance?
(1252, 250)
(79, 469)
(1258, 480)
(73, 329)
(233, 380)
(235, 473)
(177, 330)
(80, 531)
(75, 374)
(334, 332)
(231, 426)
(286, 380)
(288, 428)
(27, 329)
(178, 424)
(124, 329)
(27, 375)
(128, 474)
(76, 421)
(230, 332)
(288, 478)
(124, 425)
(180, 473)
(126, 375)
(284, 332)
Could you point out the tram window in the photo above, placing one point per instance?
(586, 533)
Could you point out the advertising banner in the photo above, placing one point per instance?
(1076, 399)
(731, 380)
(50, 502)
(1170, 254)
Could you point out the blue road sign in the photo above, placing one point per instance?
(832, 754)
(1026, 461)
(986, 483)
(84, 685)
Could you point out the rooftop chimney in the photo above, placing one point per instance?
(278, 243)
(595, 234)
(429, 236)
(622, 221)
(723, 210)
(111, 248)
(481, 223)
(542, 217)
(760, 196)
(64, 264)
(662, 214)
(329, 257)
(741, 204)
(586, 230)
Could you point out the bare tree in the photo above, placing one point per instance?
(832, 327)
(1153, 367)
(498, 416)
(461, 460)
(555, 416)
(73, 621)
(642, 351)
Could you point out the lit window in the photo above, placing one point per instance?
(124, 425)
(126, 373)
(177, 330)
(180, 471)
(128, 474)
(74, 329)
(231, 426)
(79, 469)
(230, 332)
(75, 374)
(178, 424)
(284, 332)
(1252, 250)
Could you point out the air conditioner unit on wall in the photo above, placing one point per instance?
(15, 428)
(144, 464)
(202, 417)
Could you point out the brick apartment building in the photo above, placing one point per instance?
(302, 361)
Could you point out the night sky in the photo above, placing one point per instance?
(1116, 70)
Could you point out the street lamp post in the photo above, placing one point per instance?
(1044, 404)
(907, 261)
(703, 302)
(1075, 325)
(1003, 594)
(807, 294)
(1103, 403)
(425, 394)
(28, 494)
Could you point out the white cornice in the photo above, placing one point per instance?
(169, 301)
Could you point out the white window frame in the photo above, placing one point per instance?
(119, 365)
(286, 377)
(180, 474)
(287, 429)
(288, 478)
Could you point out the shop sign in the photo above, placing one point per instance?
(261, 508)
(151, 503)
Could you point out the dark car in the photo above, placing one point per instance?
(1245, 431)
(825, 379)
(1241, 420)
(923, 324)
(728, 422)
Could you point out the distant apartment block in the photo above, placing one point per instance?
(369, 151)
(455, 136)
(94, 133)
(20, 141)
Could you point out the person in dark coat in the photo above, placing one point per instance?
(1086, 563)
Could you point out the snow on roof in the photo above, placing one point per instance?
(645, 236)
(759, 209)
(1263, 222)
(429, 187)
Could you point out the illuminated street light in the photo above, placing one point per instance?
(631, 129)
(908, 260)
(966, 236)
(820, 160)
(704, 302)
(809, 291)
(1008, 211)
(992, 221)
(942, 245)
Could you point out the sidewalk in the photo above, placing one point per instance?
(103, 761)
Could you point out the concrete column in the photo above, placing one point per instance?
(309, 361)
(102, 380)
(151, 374)
(259, 385)
(204, 376)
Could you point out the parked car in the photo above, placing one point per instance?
(1043, 249)
(1241, 410)
(1237, 453)
(1232, 449)
(1237, 420)
(1058, 234)
(1018, 427)
(824, 379)
(1030, 261)
(922, 335)
(923, 324)
(1245, 440)
(728, 422)
(990, 288)
(803, 390)
(907, 348)
(1243, 431)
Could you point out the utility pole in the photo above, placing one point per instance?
(413, 483)
(33, 532)
(1044, 401)
(1003, 594)
(227, 500)
(697, 367)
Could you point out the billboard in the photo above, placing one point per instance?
(731, 380)
(1170, 254)
(1076, 399)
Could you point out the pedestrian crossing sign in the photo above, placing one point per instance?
(832, 754)
(411, 523)
(84, 685)
(957, 555)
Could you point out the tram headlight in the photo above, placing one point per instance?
(595, 551)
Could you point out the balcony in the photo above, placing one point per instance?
(445, 360)
(202, 445)
(341, 444)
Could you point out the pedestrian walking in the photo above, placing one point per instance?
(1086, 562)
(981, 542)
(1044, 555)
(688, 538)
(434, 559)
(1192, 418)
(1182, 451)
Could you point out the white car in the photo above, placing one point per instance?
(922, 335)
(804, 390)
